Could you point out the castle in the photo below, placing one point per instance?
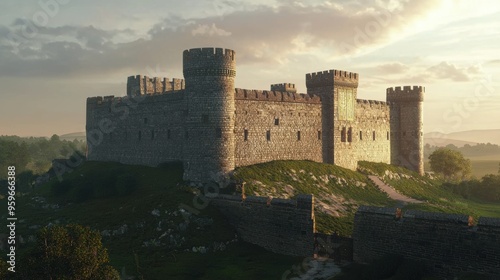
(213, 127)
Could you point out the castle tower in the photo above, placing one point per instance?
(209, 124)
(338, 91)
(407, 141)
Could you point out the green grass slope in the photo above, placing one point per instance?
(338, 191)
(144, 228)
(437, 198)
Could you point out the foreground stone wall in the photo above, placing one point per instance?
(444, 242)
(272, 125)
(279, 225)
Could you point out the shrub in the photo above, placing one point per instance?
(68, 252)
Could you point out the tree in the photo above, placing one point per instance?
(68, 252)
(450, 163)
(489, 189)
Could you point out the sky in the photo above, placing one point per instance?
(56, 53)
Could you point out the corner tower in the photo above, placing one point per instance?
(209, 75)
(338, 92)
(407, 141)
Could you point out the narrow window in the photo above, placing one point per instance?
(140, 135)
(168, 133)
(268, 135)
(204, 118)
(145, 120)
(277, 121)
(404, 133)
(343, 135)
(360, 135)
(349, 134)
(218, 132)
(298, 135)
(319, 134)
(245, 135)
(387, 135)
(374, 135)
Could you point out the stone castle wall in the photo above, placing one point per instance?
(145, 130)
(272, 125)
(444, 242)
(407, 126)
(279, 225)
(213, 127)
(372, 137)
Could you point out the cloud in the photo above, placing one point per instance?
(393, 68)
(419, 73)
(494, 61)
(209, 30)
(260, 35)
(445, 70)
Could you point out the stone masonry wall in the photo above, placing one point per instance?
(372, 119)
(145, 130)
(407, 126)
(279, 225)
(444, 242)
(292, 120)
(213, 127)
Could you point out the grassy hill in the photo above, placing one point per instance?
(146, 232)
(139, 212)
(339, 191)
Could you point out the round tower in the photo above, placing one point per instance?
(209, 75)
(407, 141)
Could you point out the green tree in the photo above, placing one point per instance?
(68, 252)
(450, 163)
(489, 189)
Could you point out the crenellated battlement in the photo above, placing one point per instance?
(278, 96)
(284, 87)
(140, 85)
(248, 126)
(371, 102)
(332, 77)
(209, 62)
(406, 93)
(484, 223)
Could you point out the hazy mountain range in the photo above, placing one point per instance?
(461, 138)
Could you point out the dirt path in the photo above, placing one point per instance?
(393, 194)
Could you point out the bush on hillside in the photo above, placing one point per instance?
(68, 252)
(487, 189)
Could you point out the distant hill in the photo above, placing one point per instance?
(72, 136)
(472, 136)
(442, 142)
